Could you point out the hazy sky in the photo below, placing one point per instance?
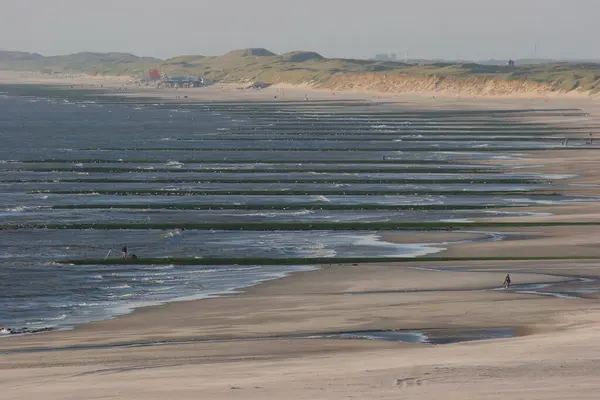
(464, 29)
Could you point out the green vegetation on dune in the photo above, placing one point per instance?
(305, 67)
(87, 62)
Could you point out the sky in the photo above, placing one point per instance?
(441, 29)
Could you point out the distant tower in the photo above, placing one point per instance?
(510, 63)
(406, 57)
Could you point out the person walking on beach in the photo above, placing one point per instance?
(507, 281)
(124, 252)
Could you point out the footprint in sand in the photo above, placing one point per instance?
(406, 383)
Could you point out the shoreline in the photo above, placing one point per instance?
(424, 243)
(552, 332)
(468, 240)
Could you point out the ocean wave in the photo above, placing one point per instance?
(320, 198)
(153, 281)
(123, 286)
(274, 214)
(61, 317)
(240, 269)
(163, 289)
(173, 233)
(175, 164)
(19, 209)
(165, 267)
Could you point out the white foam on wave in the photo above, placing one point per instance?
(173, 233)
(320, 250)
(123, 286)
(403, 250)
(547, 202)
(165, 267)
(457, 220)
(175, 164)
(15, 209)
(273, 214)
(557, 176)
(519, 213)
(217, 270)
(321, 198)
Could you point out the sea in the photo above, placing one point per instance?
(71, 157)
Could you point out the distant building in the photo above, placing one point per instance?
(154, 74)
(386, 57)
(510, 64)
(182, 81)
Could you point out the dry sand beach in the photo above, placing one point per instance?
(269, 342)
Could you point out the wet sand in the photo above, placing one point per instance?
(554, 337)
(553, 356)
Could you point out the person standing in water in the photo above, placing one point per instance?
(124, 252)
(507, 281)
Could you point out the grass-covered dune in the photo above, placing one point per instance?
(305, 67)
